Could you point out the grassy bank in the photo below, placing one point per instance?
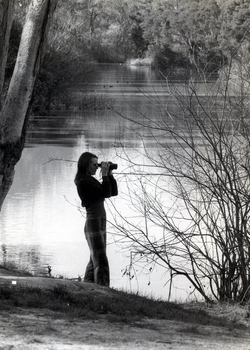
(115, 306)
(89, 301)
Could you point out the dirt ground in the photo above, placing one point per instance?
(41, 329)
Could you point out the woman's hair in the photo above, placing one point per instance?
(82, 165)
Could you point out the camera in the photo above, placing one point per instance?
(112, 166)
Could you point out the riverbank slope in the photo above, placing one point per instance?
(109, 319)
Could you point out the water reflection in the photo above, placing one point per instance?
(41, 220)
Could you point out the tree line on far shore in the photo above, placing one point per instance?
(168, 33)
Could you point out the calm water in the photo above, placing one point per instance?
(41, 220)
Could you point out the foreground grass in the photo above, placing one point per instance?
(120, 305)
(116, 306)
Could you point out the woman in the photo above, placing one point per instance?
(92, 194)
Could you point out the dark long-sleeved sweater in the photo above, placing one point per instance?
(93, 193)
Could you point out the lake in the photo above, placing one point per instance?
(41, 220)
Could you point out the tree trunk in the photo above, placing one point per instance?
(6, 16)
(15, 113)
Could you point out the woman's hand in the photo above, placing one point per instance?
(105, 168)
